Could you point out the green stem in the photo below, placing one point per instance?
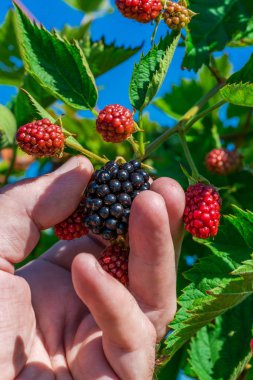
(201, 115)
(12, 163)
(216, 136)
(95, 112)
(188, 156)
(141, 136)
(183, 121)
(134, 145)
(155, 30)
(74, 144)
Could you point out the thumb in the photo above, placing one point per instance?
(33, 205)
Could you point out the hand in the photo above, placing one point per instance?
(61, 316)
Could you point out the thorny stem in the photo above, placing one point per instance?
(188, 156)
(12, 163)
(183, 121)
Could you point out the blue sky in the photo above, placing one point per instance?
(55, 13)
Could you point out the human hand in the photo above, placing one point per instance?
(62, 316)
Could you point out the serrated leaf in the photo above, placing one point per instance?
(102, 57)
(38, 109)
(221, 350)
(243, 38)
(24, 110)
(58, 65)
(239, 87)
(215, 25)
(87, 6)
(8, 124)
(150, 72)
(240, 94)
(11, 67)
(214, 289)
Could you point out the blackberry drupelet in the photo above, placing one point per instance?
(109, 197)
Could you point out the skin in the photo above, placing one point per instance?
(61, 316)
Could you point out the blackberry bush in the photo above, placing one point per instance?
(109, 197)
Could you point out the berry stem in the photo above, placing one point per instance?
(216, 136)
(94, 112)
(157, 23)
(183, 121)
(12, 163)
(71, 142)
(201, 115)
(141, 136)
(195, 173)
(134, 145)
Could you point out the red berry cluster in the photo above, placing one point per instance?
(202, 211)
(177, 15)
(41, 138)
(140, 10)
(73, 227)
(114, 260)
(223, 162)
(115, 123)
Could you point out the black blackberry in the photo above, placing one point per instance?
(109, 197)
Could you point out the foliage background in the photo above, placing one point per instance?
(220, 349)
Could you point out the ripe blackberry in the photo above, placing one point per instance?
(202, 211)
(109, 197)
(115, 123)
(223, 162)
(114, 260)
(73, 227)
(177, 15)
(140, 10)
(41, 139)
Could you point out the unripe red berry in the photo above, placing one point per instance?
(223, 162)
(140, 10)
(115, 123)
(202, 211)
(73, 227)
(177, 15)
(114, 260)
(41, 138)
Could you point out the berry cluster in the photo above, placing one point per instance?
(115, 123)
(109, 197)
(114, 260)
(41, 138)
(73, 227)
(177, 15)
(202, 211)
(223, 162)
(140, 10)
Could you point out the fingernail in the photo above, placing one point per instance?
(71, 164)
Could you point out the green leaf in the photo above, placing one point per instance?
(244, 38)
(102, 57)
(38, 109)
(87, 6)
(11, 67)
(150, 72)
(56, 64)
(8, 126)
(239, 87)
(215, 25)
(77, 32)
(214, 288)
(24, 110)
(222, 350)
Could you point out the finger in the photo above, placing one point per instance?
(152, 272)
(64, 252)
(34, 205)
(128, 336)
(174, 197)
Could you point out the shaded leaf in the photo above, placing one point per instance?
(8, 125)
(215, 25)
(87, 6)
